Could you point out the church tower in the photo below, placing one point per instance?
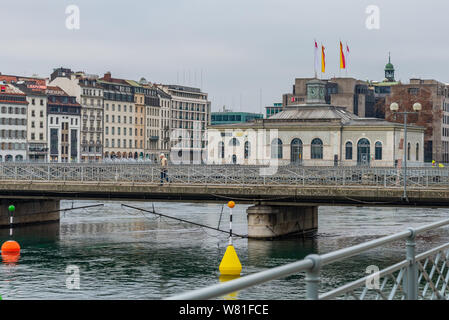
(389, 70)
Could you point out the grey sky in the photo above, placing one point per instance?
(240, 46)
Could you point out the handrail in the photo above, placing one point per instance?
(308, 264)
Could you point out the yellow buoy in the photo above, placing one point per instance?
(230, 264)
(231, 204)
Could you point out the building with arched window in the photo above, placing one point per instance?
(316, 134)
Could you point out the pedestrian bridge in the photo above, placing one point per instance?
(279, 194)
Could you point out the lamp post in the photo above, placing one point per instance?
(394, 107)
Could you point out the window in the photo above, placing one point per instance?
(408, 151)
(348, 155)
(221, 149)
(234, 142)
(296, 151)
(316, 149)
(378, 150)
(417, 152)
(247, 151)
(276, 149)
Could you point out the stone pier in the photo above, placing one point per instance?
(268, 222)
(29, 211)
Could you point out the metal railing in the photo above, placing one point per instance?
(226, 174)
(423, 276)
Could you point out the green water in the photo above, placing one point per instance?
(122, 254)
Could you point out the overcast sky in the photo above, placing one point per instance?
(242, 48)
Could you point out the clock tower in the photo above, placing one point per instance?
(316, 92)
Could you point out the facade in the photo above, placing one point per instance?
(315, 133)
(434, 97)
(228, 117)
(119, 119)
(165, 123)
(13, 124)
(37, 144)
(89, 94)
(63, 123)
(190, 116)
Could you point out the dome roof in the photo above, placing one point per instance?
(389, 66)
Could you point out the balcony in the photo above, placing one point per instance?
(154, 138)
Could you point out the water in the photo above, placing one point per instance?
(123, 254)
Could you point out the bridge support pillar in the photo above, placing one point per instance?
(29, 211)
(268, 222)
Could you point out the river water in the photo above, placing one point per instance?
(123, 254)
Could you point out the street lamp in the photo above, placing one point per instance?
(394, 107)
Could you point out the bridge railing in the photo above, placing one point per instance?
(228, 174)
(422, 276)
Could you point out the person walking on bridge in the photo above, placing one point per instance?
(164, 164)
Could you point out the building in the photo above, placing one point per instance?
(227, 117)
(119, 119)
(190, 116)
(315, 133)
(37, 144)
(63, 123)
(352, 94)
(13, 123)
(165, 103)
(434, 98)
(89, 94)
(271, 110)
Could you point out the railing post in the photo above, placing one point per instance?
(313, 277)
(411, 279)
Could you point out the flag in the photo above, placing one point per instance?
(316, 65)
(347, 54)
(342, 58)
(323, 60)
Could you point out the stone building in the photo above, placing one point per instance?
(119, 119)
(13, 123)
(63, 123)
(434, 96)
(35, 90)
(89, 94)
(189, 116)
(315, 133)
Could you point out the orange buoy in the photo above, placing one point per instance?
(231, 204)
(10, 247)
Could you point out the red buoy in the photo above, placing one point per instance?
(11, 247)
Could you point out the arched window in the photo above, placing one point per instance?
(417, 152)
(408, 151)
(316, 147)
(348, 155)
(8, 158)
(363, 151)
(378, 151)
(221, 150)
(247, 151)
(234, 142)
(1, 158)
(19, 157)
(296, 151)
(276, 149)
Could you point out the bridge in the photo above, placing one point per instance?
(285, 198)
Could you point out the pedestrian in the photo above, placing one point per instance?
(163, 168)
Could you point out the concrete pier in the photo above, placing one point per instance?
(29, 211)
(268, 222)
